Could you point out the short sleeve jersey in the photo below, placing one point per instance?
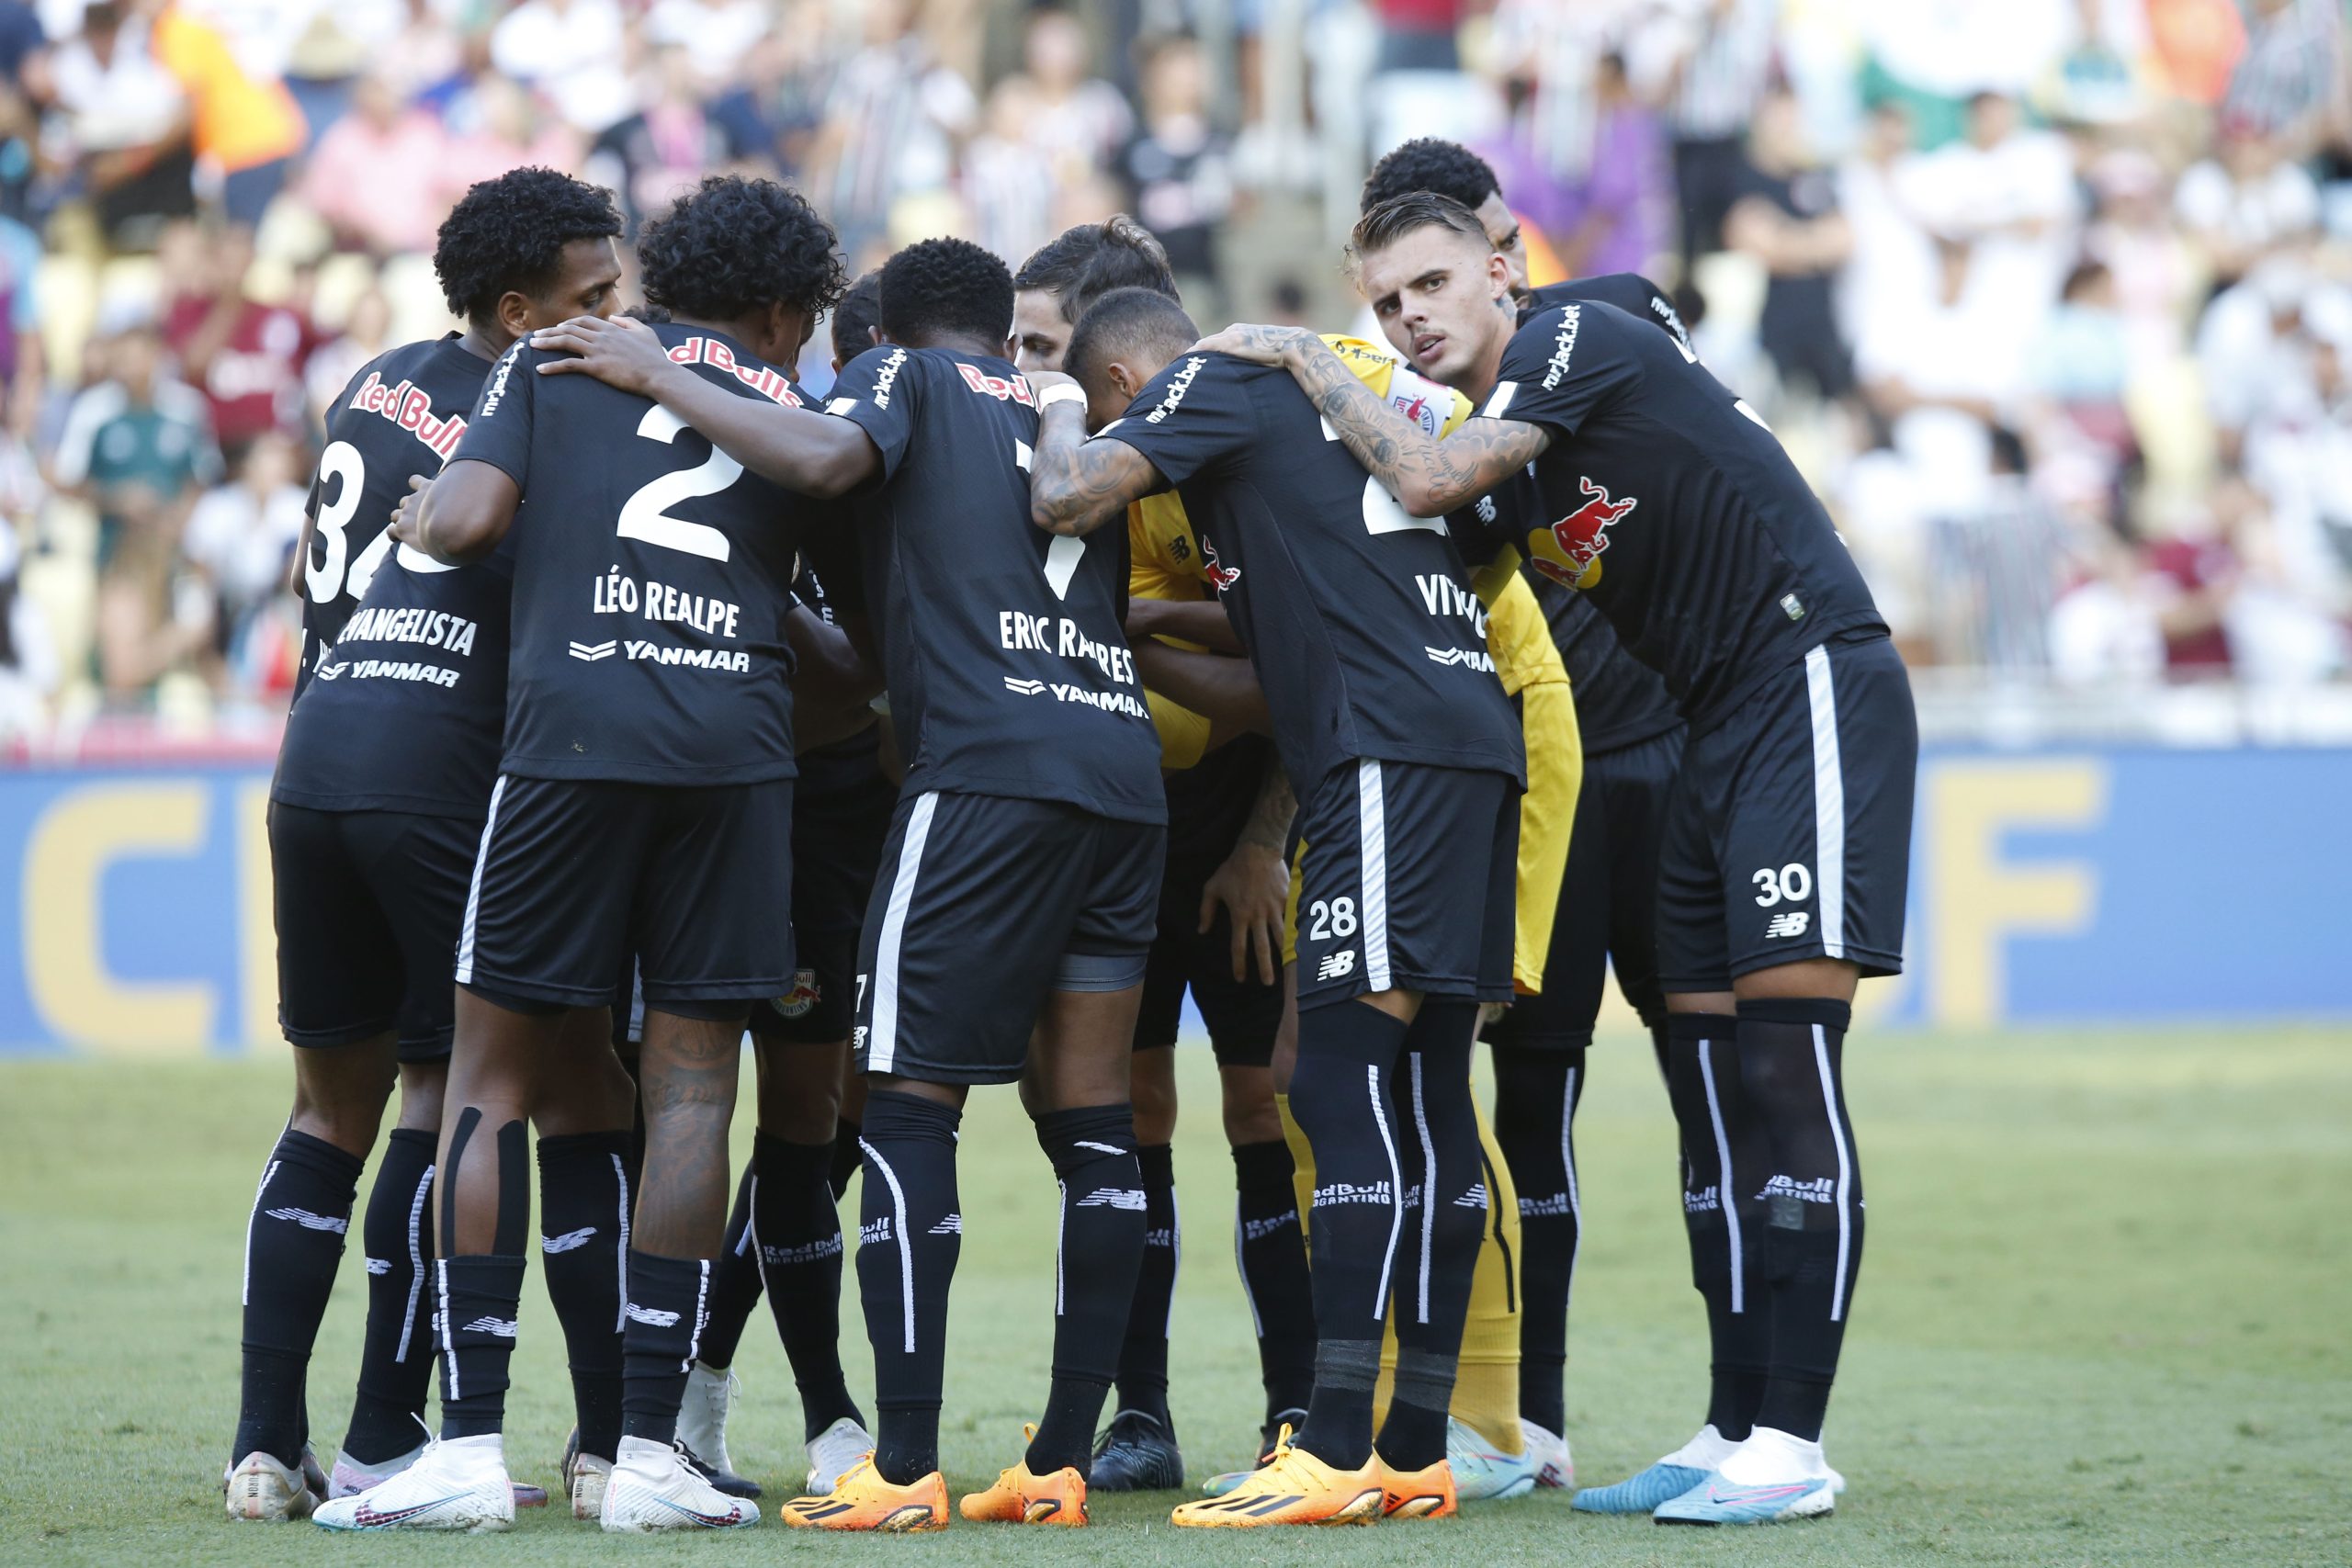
(651, 577)
(1367, 638)
(404, 413)
(1002, 645)
(1667, 499)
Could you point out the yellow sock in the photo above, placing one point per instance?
(1486, 1389)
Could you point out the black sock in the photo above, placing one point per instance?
(669, 1301)
(1095, 1264)
(1143, 1358)
(908, 1238)
(1792, 1071)
(1346, 1055)
(846, 1155)
(1703, 1084)
(396, 1363)
(735, 1281)
(1271, 1253)
(1438, 1254)
(293, 1243)
(586, 1191)
(477, 1299)
(1535, 1097)
(799, 1254)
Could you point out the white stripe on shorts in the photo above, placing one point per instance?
(882, 1045)
(1828, 804)
(1371, 828)
(473, 891)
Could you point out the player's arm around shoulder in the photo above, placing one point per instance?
(796, 447)
(1429, 477)
(1076, 485)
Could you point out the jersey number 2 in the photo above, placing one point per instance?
(646, 515)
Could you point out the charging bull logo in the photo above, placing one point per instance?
(1569, 551)
(1221, 577)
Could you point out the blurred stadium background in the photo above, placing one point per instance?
(2051, 299)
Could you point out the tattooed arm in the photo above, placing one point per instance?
(1429, 477)
(1076, 485)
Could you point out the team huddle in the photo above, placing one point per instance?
(949, 730)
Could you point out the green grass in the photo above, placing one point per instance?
(2103, 1320)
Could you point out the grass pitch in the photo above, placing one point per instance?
(2103, 1320)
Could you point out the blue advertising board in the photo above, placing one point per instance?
(2052, 888)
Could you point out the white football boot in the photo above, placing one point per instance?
(258, 1487)
(652, 1487)
(1559, 1467)
(833, 1451)
(458, 1483)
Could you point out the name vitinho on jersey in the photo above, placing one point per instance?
(1443, 596)
(1177, 385)
(407, 405)
(1564, 345)
(433, 628)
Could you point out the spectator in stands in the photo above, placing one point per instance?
(246, 357)
(24, 49)
(126, 122)
(1178, 169)
(1787, 218)
(653, 155)
(717, 35)
(378, 176)
(138, 441)
(2245, 201)
(367, 332)
(244, 129)
(1008, 189)
(23, 360)
(890, 123)
(242, 534)
(573, 51)
(1078, 121)
(1708, 62)
(1618, 217)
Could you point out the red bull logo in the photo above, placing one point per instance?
(805, 994)
(1221, 577)
(1569, 551)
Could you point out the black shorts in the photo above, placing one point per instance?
(836, 848)
(574, 875)
(1788, 831)
(367, 906)
(1407, 881)
(980, 899)
(1241, 1015)
(1608, 915)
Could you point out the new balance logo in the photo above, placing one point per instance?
(1026, 688)
(1353, 1192)
(874, 1232)
(951, 1226)
(379, 1266)
(593, 651)
(1337, 966)
(569, 1241)
(1552, 1208)
(503, 1328)
(311, 1222)
(653, 1317)
(1788, 922)
(1114, 1198)
(1474, 1199)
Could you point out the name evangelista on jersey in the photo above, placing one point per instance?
(1667, 500)
(651, 577)
(1359, 618)
(402, 414)
(1002, 645)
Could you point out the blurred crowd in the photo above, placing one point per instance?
(2051, 299)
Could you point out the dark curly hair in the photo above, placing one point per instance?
(1081, 264)
(1426, 163)
(945, 288)
(509, 234)
(856, 315)
(732, 245)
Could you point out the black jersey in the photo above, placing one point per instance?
(1002, 645)
(1360, 619)
(1668, 500)
(1629, 291)
(651, 577)
(854, 762)
(406, 709)
(402, 414)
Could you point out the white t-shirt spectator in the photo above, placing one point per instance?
(243, 541)
(2279, 206)
(571, 49)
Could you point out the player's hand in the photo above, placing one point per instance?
(1260, 346)
(619, 351)
(1039, 380)
(408, 517)
(1253, 886)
